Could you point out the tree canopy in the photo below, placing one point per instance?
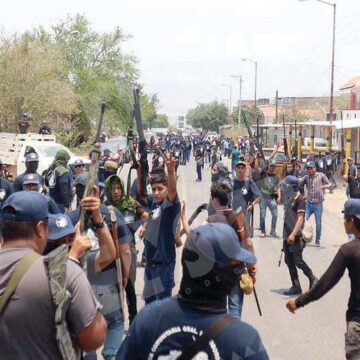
(64, 73)
(161, 121)
(208, 116)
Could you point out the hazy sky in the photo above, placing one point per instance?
(188, 48)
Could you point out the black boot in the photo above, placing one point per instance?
(312, 281)
(294, 290)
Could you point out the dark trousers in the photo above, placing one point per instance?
(158, 281)
(330, 176)
(294, 259)
(198, 170)
(208, 156)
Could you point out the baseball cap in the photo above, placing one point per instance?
(82, 179)
(25, 206)
(350, 158)
(272, 163)
(310, 164)
(59, 225)
(31, 179)
(352, 208)
(219, 243)
(240, 162)
(32, 157)
(291, 180)
(79, 162)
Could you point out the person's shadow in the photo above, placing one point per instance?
(281, 292)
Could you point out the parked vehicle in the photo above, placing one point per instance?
(118, 148)
(15, 147)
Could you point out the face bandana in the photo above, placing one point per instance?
(32, 167)
(209, 291)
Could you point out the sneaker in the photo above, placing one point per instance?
(273, 234)
(294, 290)
(263, 234)
(317, 243)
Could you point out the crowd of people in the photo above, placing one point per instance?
(54, 227)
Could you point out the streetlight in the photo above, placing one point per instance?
(230, 88)
(240, 84)
(255, 117)
(331, 110)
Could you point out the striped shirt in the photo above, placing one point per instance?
(315, 193)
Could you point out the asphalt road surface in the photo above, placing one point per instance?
(314, 332)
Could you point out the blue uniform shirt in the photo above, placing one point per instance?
(160, 231)
(55, 189)
(163, 329)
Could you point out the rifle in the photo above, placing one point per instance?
(55, 267)
(100, 123)
(281, 255)
(286, 150)
(130, 141)
(248, 128)
(194, 215)
(93, 174)
(295, 152)
(117, 259)
(142, 143)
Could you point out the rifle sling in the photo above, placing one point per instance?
(209, 334)
(16, 276)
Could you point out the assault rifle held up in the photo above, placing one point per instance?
(93, 174)
(286, 149)
(142, 143)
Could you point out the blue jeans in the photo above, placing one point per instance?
(158, 281)
(317, 210)
(235, 301)
(271, 204)
(114, 336)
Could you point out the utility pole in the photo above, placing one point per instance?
(276, 106)
(256, 119)
(331, 107)
(240, 86)
(230, 89)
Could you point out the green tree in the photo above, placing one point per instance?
(208, 116)
(99, 70)
(64, 74)
(32, 79)
(149, 105)
(161, 121)
(247, 116)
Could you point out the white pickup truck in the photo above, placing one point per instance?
(15, 147)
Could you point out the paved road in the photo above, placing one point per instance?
(315, 332)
